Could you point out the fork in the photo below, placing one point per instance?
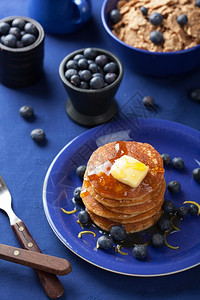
(50, 283)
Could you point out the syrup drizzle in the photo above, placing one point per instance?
(101, 174)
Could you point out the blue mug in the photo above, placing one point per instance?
(60, 16)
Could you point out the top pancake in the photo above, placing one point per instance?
(100, 162)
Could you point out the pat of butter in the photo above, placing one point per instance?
(129, 170)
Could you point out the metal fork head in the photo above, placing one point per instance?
(6, 201)
(5, 196)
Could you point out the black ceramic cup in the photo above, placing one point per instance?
(21, 67)
(91, 107)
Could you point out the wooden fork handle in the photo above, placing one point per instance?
(36, 260)
(50, 282)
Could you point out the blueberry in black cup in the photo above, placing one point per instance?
(18, 30)
(91, 77)
(22, 51)
(92, 67)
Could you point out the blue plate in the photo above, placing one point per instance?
(61, 180)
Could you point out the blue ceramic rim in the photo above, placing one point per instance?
(103, 18)
(114, 58)
(170, 269)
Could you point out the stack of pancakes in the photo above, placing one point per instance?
(110, 202)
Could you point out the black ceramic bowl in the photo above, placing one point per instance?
(21, 67)
(91, 107)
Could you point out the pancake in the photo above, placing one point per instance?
(106, 211)
(106, 224)
(125, 205)
(149, 204)
(141, 217)
(110, 202)
(94, 206)
(104, 184)
(113, 202)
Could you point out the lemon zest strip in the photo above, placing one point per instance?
(195, 203)
(69, 212)
(118, 249)
(167, 244)
(176, 228)
(80, 224)
(146, 244)
(85, 232)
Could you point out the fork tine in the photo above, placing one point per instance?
(3, 185)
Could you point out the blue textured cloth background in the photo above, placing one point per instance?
(23, 165)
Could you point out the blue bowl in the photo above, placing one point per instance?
(146, 62)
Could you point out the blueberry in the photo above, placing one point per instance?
(90, 53)
(182, 211)
(156, 37)
(15, 31)
(166, 159)
(110, 77)
(140, 251)
(101, 60)
(97, 83)
(174, 186)
(144, 10)
(164, 224)
(105, 242)
(22, 33)
(148, 101)
(69, 73)
(28, 39)
(38, 135)
(90, 61)
(178, 163)
(86, 75)
(156, 19)
(84, 85)
(197, 3)
(118, 232)
(168, 207)
(110, 67)
(195, 95)
(193, 210)
(2, 39)
(83, 63)
(157, 240)
(182, 20)
(76, 195)
(98, 75)
(31, 28)
(18, 22)
(93, 67)
(115, 16)
(83, 217)
(26, 112)
(100, 70)
(10, 40)
(78, 56)
(20, 44)
(75, 80)
(72, 64)
(80, 171)
(4, 28)
(196, 174)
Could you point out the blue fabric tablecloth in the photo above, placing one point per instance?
(23, 165)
